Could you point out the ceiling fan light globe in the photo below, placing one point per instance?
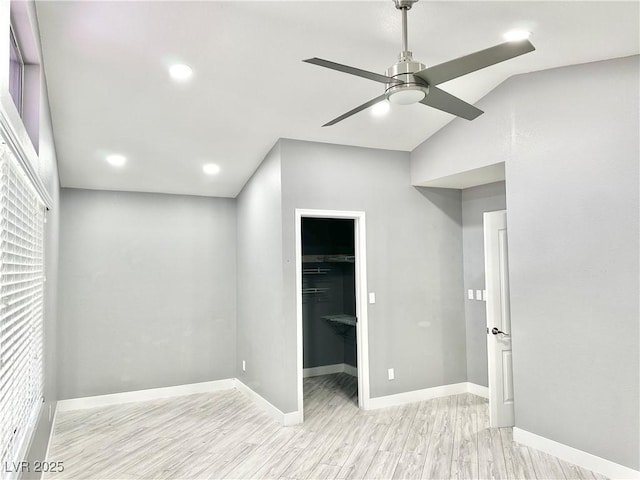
(407, 96)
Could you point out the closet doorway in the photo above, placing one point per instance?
(331, 304)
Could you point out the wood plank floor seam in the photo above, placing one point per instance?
(223, 435)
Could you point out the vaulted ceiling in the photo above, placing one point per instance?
(106, 65)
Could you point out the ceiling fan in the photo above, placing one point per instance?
(410, 81)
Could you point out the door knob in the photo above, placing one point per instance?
(495, 331)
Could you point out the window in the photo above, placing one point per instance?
(16, 72)
(21, 307)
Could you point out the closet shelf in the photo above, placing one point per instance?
(341, 318)
(334, 258)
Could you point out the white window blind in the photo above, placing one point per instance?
(21, 308)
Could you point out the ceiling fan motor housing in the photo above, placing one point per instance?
(413, 89)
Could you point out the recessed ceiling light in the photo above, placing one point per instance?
(116, 160)
(210, 168)
(180, 71)
(516, 35)
(380, 108)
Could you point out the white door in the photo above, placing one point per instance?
(498, 319)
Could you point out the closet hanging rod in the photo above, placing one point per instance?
(314, 290)
(315, 271)
(333, 258)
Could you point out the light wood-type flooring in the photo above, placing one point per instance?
(224, 435)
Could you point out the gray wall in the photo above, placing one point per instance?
(572, 191)
(263, 340)
(147, 291)
(414, 259)
(349, 307)
(476, 201)
(572, 195)
(439, 157)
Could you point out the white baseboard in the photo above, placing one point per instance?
(350, 370)
(575, 456)
(323, 370)
(330, 369)
(286, 419)
(479, 390)
(51, 432)
(427, 394)
(144, 395)
(417, 395)
(291, 418)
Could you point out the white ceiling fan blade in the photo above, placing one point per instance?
(352, 70)
(364, 106)
(475, 61)
(446, 102)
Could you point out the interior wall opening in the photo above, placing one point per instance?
(329, 308)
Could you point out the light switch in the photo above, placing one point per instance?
(470, 294)
(484, 295)
(372, 297)
(478, 294)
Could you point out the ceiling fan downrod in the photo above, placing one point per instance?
(404, 6)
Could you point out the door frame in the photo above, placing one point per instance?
(362, 331)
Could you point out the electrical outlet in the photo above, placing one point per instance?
(392, 374)
(244, 366)
(372, 297)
